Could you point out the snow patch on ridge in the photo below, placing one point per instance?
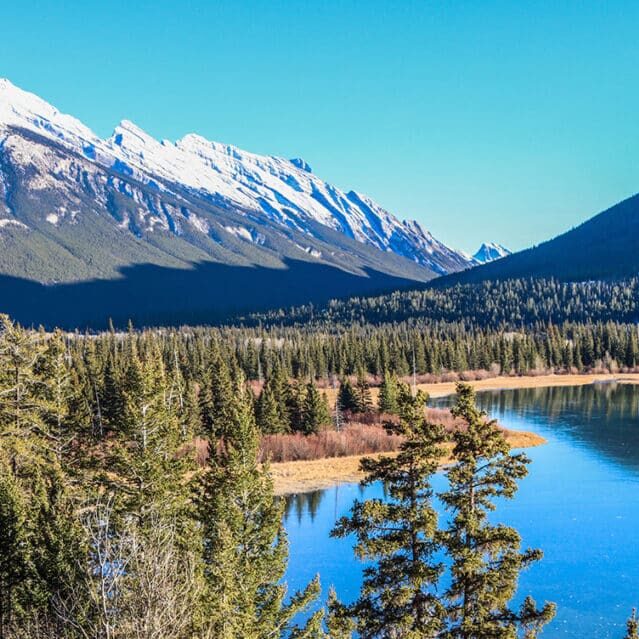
(284, 191)
(489, 252)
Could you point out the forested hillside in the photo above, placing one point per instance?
(511, 303)
(604, 247)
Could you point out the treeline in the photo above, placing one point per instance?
(432, 349)
(511, 303)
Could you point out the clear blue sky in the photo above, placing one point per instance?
(506, 121)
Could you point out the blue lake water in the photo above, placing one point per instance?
(579, 504)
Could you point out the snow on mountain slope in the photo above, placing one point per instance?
(283, 193)
(489, 252)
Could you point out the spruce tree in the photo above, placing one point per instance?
(347, 398)
(244, 543)
(269, 414)
(149, 464)
(398, 536)
(632, 627)
(110, 398)
(59, 394)
(363, 398)
(486, 558)
(16, 564)
(315, 412)
(216, 414)
(388, 394)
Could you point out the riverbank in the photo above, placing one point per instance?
(442, 389)
(305, 476)
(317, 474)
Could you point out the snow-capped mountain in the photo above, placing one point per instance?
(285, 192)
(489, 252)
(75, 207)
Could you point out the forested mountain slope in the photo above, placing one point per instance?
(604, 247)
(511, 303)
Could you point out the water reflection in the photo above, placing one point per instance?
(602, 417)
(303, 503)
(580, 504)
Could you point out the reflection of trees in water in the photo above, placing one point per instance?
(300, 503)
(605, 416)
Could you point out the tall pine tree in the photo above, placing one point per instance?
(398, 536)
(486, 558)
(244, 543)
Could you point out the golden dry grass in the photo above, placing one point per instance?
(305, 476)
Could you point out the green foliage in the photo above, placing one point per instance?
(315, 412)
(347, 397)
(363, 398)
(486, 559)
(632, 627)
(399, 535)
(245, 546)
(389, 394)
(513, 303)
(274, 407)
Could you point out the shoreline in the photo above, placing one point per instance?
(443, 389)
(295, 477)
(317, 474)
(437, 390)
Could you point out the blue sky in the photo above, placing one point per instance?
(501, 121)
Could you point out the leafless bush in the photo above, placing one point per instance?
(137, 584)
(355, 439)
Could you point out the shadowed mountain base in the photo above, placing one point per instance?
(209, 292)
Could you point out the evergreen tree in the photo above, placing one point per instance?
(110, 398)
(16, 566)
(147, 460)
(486, 558)
(217, 398)
(399, 536)
(59, 393)
(347, 397)
(388, 394)
(37, 515)
(363, 398)
(269, 413)
(23, 407)
(339, 623)
(296, 397)
(632, 627)
(315, 412)
(245, 548)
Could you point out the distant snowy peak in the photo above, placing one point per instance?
(489, 252)
(281, 192)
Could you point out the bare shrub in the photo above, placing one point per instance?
(355, 439)
(136, 583)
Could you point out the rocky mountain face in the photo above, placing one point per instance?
(76, 209)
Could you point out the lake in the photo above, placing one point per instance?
(579, 504)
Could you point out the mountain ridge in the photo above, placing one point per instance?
(116, 215)
(285, 193)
